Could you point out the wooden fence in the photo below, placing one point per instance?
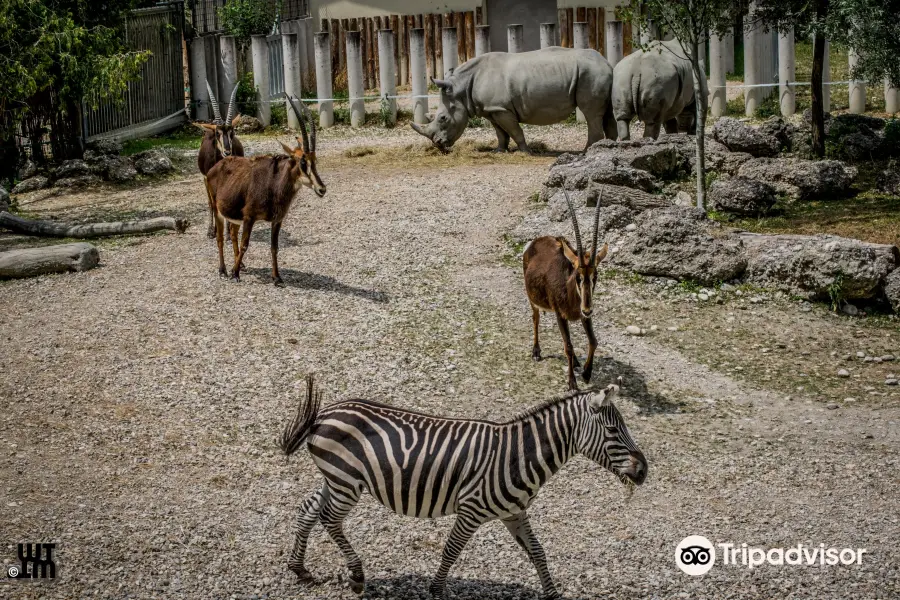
(464, 22)
(159, 92)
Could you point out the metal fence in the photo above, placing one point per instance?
(205, 17)
(159, 93)
(276, 66)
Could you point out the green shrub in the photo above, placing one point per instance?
(243, 18)
(247, 97)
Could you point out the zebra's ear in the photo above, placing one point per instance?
(598, 400)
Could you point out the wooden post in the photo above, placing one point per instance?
(570, 23)
(395, 33)
(563, 28)
(628, 30)
(429, 45)
(374, 26)
(601, 30)
(470, 35)
(592, 27)
(335, 53)
(404, 49)
(580, 15)
(460, 38)
(438, 47)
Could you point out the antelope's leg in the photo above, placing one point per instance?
(233, 230)
(276, 276)
(536, 321)
(245, 243)
(567, 346)
(510, 124)
(211, 231)
(335, 509)
(520, 528)
(220, 242)
(462, 531)
(306, 518)
(592, 347)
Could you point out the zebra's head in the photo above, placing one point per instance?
(605, 439)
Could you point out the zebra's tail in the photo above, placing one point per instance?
(296, 431)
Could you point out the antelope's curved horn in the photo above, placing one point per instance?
(301, 117)
(596, 225)
(574, 223)
(230, 115)
(215, 104)
(312, 126)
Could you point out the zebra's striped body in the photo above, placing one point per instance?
(424, 466)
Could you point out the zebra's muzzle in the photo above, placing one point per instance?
(637, 469)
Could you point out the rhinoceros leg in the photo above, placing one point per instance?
(671, 126)
(610, 129)
(510, 124)
(624, 128)
(651, 130)
(502, 138)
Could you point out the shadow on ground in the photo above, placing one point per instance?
(314, 281)
(415, 587)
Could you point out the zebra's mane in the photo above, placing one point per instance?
(554, 401)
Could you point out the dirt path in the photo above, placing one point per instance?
(142, 400)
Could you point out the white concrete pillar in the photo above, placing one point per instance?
(515, 38)
(449, 45)
(729, 52)
(548, 35)
(291, 76)
(356, 87)
(826, 78)
(787, 97)
(322, 42)
(259, 46)
(387, 73)
(482, 39)
(580, 41)
(229, 73)
(418, 79)
(717, 90)
(615, 40)
(751, 70)
(199, 95)
(891, 97)
(212, 63)
(857, 88)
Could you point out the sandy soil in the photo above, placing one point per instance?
(141, 401)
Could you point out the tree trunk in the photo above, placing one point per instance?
(30, 262)
(818, 93)
(701, 102)
(91, 230)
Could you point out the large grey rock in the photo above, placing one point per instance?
(889, 182)
(4, 198)
(739, 137)
(780, 130)
(105, 147)
(38, 182)
(815, 266)
(659, 158)
(579, 173)
(678, 242)
(77, 181)
(27, 170)
(892, 289)
(859, 146)
(153, 162)
(72, 168)
(113, 168)
(801, 179)
(249, 124)
(726, 162)
(741, 196)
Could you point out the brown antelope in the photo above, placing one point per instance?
(219, 141)
(562, 280)
(246, 190)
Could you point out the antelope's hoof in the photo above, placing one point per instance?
(235, 276)
(357, 585)
(278, 281)
(536, 355)
(223, 272)
(586, 374)
(573, 386)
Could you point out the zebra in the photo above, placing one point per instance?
(424, 466)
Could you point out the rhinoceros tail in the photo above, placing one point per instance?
(636, 92)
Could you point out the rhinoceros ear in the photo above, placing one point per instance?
(443, 84)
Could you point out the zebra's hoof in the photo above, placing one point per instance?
(301, 572)
(436, 591)
(357, 585)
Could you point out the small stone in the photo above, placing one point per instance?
(671, 329)
(849, 399)
(848, 357)
(890, 382)
(849, 309)
(860, 354)
(703, 297)
(843, 373)
(876, 359)
(867, 359)
(887, 357)
(653, 328)
(832, 406)
(633, 330)
(630, 227)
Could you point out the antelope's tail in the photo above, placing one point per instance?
(296, 431)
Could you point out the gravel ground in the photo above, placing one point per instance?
(142, 400)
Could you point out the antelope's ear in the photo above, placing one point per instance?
(601, 253)
(206, 126)
(287, 149)
(571, 255)
(235, 121)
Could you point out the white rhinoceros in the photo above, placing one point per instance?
(656, 86)
(541, 87)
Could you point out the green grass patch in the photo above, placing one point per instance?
(185, 138)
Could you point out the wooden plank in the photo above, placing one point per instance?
(376, 25)
(601, 30)
(429, 44)
(570, 27)
(580, 15)
(438, 47)
(335, 51)
(460, 38)
(343, 47)
(592, 27)
(469, 19)
(626, 42)
(395, 28)
(563, 28)
(405, 21)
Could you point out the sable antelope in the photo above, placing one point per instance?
(562, 280)
(219, 141)
(245, 190)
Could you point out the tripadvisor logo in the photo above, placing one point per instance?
(696, 555)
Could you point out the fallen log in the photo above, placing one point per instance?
(90, 230)
(30, 262)
(624, 196)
